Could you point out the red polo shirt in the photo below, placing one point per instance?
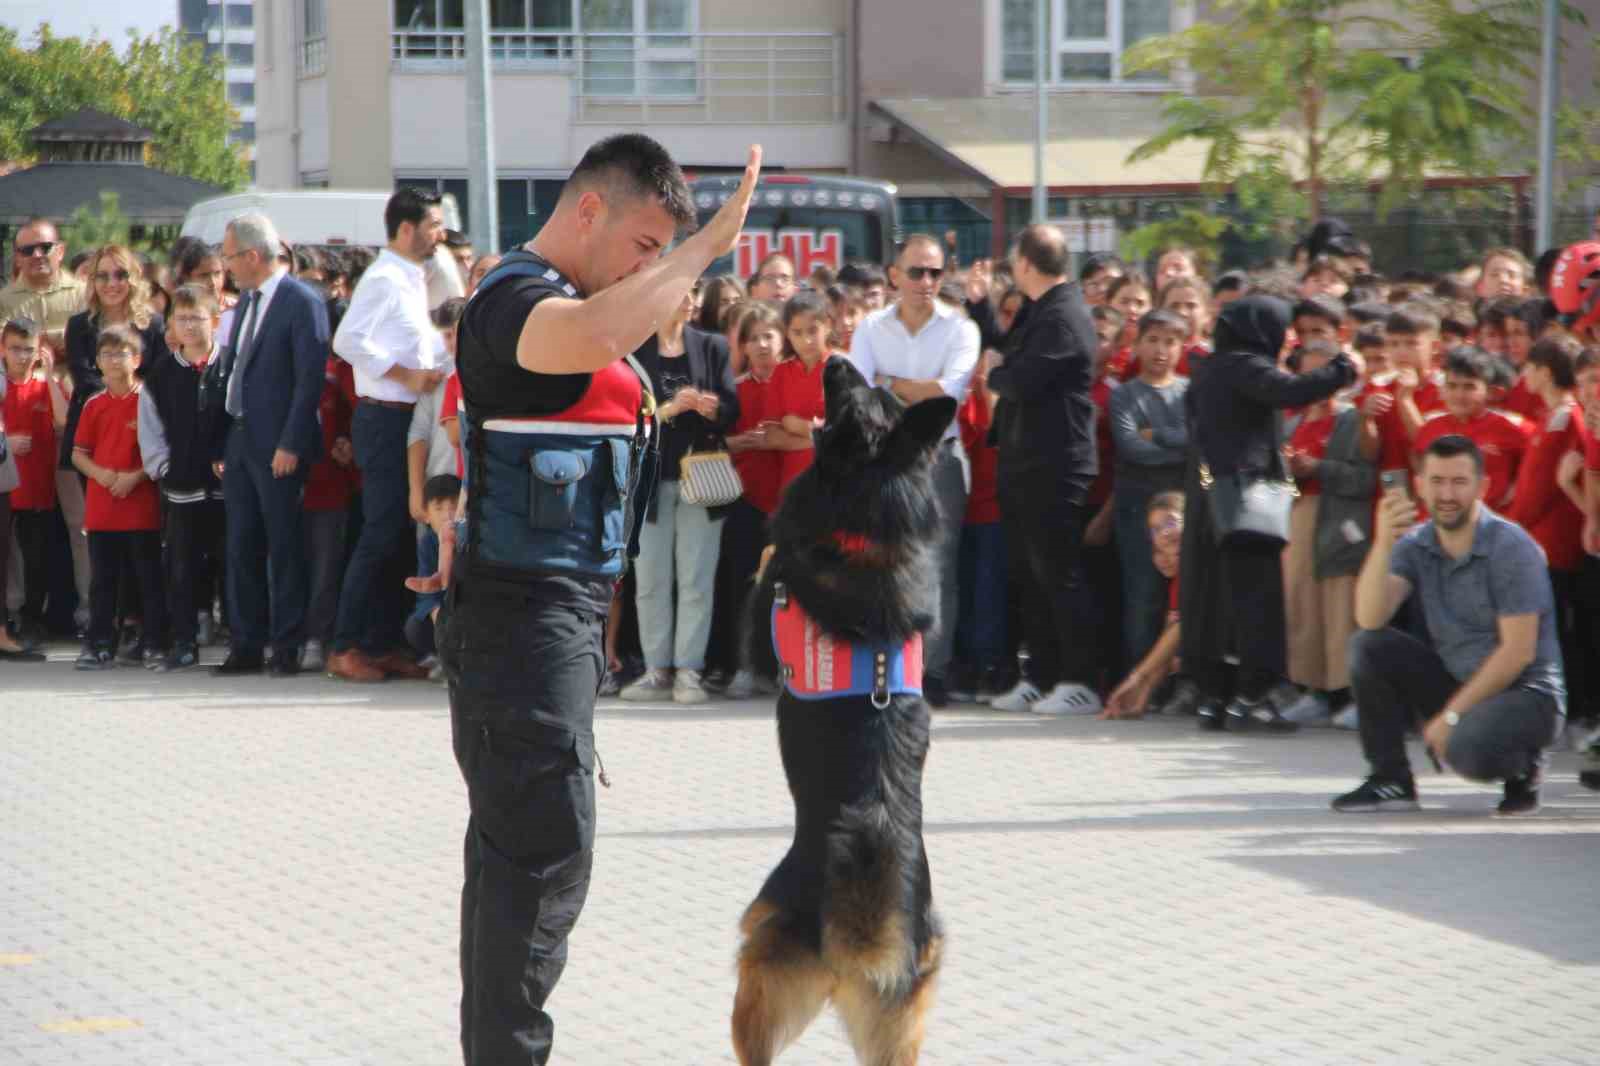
(109, 432)
(27, 411)
(758, 469)
(1502, 437)
(1540, 506)
(796, 391)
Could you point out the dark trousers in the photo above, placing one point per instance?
(744, 534)
(324, 532)
(1573, 630)
(420, 634)
(5, 550)
(1584, 705)
(981, 627)
(32, 531)
(111, 557)
(1044, 542)
(523, 676)
(263, 519)
(366, 619)
(1400, 683)
(193, 540)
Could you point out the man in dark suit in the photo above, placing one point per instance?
(277, 351)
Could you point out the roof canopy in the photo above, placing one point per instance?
(54, 190)
(87, 124)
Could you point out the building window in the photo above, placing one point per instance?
(243, 133)
(313, 37)
(639, 47)
(241, 16)
(241, 93)
(1088, 38)
(241, 55)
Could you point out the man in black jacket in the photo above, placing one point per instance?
(1045, 429)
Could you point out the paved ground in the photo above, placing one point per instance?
(268, 874)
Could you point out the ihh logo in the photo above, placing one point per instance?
(807, 249)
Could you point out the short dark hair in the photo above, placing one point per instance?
(1129, 280)
(454, 238)
(1163, 320)
(1469, 361)
(1494, 313)
(1458, 319)
(1324, 307)
(1044, 247)
(1232, 281)
(632, 165)
(440, 487)
(805, 302)
(1559, 355)
(1370, 312)
(1368, 336)
(1101, 261)
(1411, 320)
(196, 295)
(1452, 445)
(22, 326)
(862, 275)
(1324, 264)
(307, 258)
(120, 335)
(408, 204)
(1448, 288)
(447, 314)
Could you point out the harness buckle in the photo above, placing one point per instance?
(880, 680)
(780, 594)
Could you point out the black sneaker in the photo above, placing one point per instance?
(1262, 715)
(182, 657)
(1379, 794)
(96, 659)
(993, 681)
(1213, 717)
(131, 655)
(715, 681)
(155, 658)
(934, 692)
(1185, 698)
(1521, 795)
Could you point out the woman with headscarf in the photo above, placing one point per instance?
(1234, 637)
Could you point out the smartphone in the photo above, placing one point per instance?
(1395, 479)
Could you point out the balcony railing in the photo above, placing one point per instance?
(654, 77)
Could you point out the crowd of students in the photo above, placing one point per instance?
(100, 413)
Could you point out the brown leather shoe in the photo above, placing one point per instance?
(399, 664)
(353, 665)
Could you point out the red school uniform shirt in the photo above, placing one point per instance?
(796, 391)
(1523, 401)
(27, 411)
(983, 499)
(759, 469)
(329, 485)
(1105, 447)
(1501, 437)
(1539, 505)
(1394, 444)
(1310, 437)
(108, 431)
(450, 411)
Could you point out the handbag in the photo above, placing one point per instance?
(708, 479)
(1249, 510)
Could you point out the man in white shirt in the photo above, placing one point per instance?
(919, 348)
(388, 338)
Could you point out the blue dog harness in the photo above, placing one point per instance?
(819, 666)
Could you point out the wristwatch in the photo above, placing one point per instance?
(1452, 719)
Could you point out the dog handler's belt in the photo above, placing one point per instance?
(819, 666)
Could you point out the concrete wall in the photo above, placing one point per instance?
(358, 94)
(766, 16)
(277, 146)
(314, 118)
(533, 113)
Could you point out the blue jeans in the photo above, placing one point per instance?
(1143, 587)
(981, 628)
(680, 544)
(379, 437)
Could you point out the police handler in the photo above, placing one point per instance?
(556, 423)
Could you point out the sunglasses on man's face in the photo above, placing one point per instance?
(111, 275)
(918, 273)
(28, 251)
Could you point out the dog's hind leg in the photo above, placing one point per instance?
(782, 987)
(887, 1030)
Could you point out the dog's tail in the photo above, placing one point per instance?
(865, 916)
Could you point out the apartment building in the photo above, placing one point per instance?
(226, 28)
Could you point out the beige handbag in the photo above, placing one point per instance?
(708, 479)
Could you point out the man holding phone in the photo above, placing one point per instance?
(1486, 688)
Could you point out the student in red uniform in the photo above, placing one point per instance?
(1523, 321)
(31, 438)
(797, 383)
(1502, 437)
(1164, 519)
(1190, 298)
(325, 512)
(1411, 336)
(1100, 564)
(1539, 504)
(1131, 296)
(122, 512)
(981, 626)
(1321, 319)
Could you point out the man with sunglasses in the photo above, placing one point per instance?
(42, 291)
(918, 348)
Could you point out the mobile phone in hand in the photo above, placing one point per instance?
(1393, 480)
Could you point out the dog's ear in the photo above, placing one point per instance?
(918, 430)
(838, 378)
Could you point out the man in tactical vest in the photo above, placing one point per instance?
(556, 428)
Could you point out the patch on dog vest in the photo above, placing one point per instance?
(819, 666)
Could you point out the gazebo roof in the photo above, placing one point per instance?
(55, 190)
(87, 124)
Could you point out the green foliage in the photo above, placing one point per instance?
(159, 82)
(1190, 228)
(1316, 94)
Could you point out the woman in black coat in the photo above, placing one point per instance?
(1231, 598)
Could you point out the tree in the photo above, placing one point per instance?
(1328, 92)
(159, 82)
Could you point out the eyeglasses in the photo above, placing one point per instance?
(111, 275)
(918, 273)
(776, 279)
(190, 320)
(28, 251)
(116, 353)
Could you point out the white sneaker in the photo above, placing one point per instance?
(1020, 697)
(686, 687)
(1310, 709)
(742, 687)
(651, 685)
(1346, 717)
(313, 657)
(1068, 697)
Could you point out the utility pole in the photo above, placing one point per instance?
(1041, 72)
(1544, 190)
(481, 198)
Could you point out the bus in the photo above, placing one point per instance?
(815, 221)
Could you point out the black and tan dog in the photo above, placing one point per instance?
(838, 615)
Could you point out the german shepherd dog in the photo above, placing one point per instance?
(848, 915)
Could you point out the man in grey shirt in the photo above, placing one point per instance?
(1487, 688)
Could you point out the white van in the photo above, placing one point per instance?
(306, 216)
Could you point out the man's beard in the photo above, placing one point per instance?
(1450, 526)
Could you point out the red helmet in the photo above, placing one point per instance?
(1575, 284)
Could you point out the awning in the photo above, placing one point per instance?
(1089, 138)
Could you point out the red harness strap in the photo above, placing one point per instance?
(819, 666)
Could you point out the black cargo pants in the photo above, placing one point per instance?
(523, 675)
